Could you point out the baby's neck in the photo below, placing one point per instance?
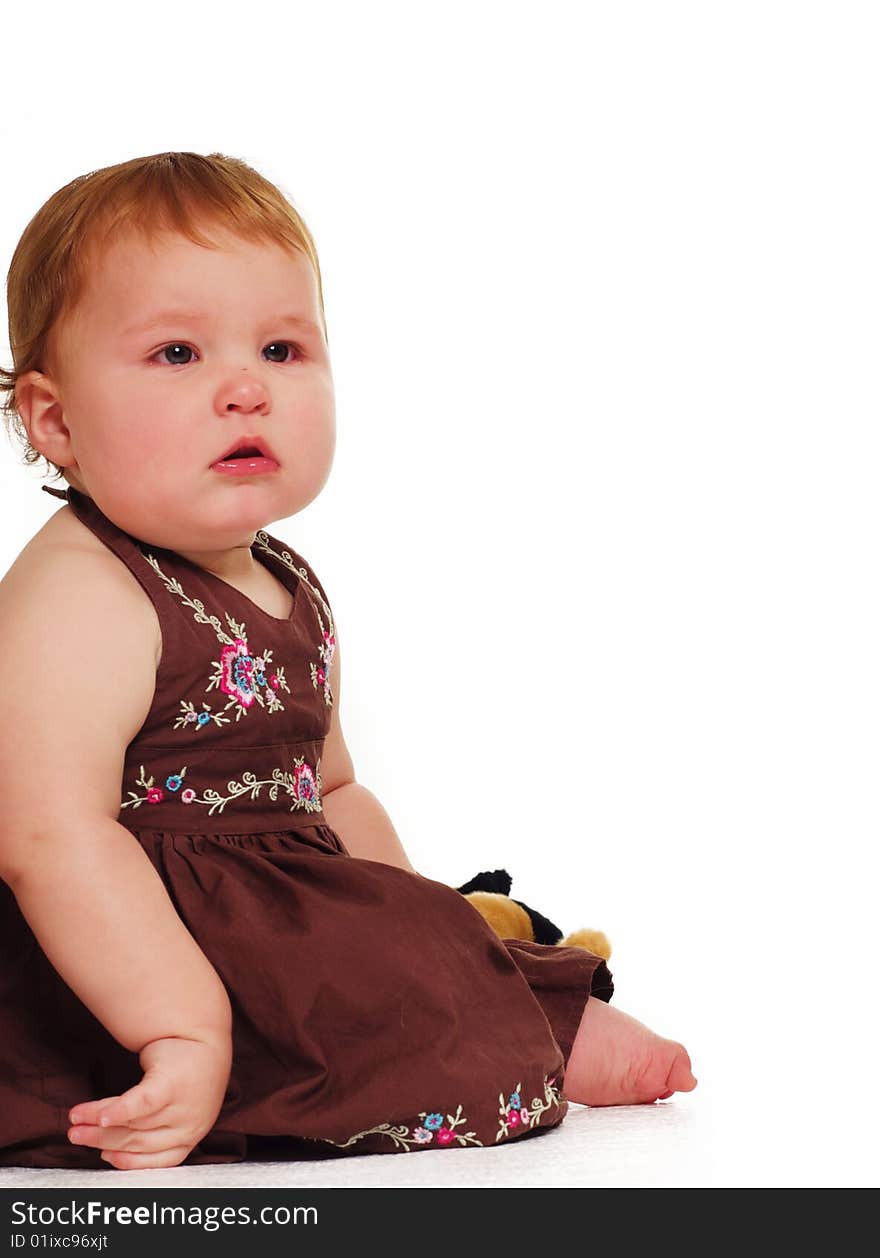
(236, 566)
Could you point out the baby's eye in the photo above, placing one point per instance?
(294, 350)
(286, 349)
(174, 349)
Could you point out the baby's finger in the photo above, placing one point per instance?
(90, 1133)
(141, 1161)
(85, 1121)
(123, 1139)
(89, 1111)
(144, 1100)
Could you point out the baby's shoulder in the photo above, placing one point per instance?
(64, 562)
(74, 627)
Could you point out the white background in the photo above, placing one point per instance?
(602, 289)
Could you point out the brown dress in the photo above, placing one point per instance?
(374, 1011)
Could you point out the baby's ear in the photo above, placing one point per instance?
(38, 402)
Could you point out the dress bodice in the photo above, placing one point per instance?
(234, 735)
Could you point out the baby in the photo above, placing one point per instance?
(212, 943)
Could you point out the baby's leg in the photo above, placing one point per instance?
(616, 1060)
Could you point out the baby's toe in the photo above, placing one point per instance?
(680, 1077)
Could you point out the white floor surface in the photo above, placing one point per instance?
(690, 1141)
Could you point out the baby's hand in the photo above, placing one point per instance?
(162, 1118)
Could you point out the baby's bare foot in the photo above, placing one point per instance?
(616, 1060)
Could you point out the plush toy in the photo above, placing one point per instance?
(489, 893)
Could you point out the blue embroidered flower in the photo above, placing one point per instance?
(173, 783)
(237, 672)
(242, 672)
(304, 785)
(514, 1102)
(261, 679)
(203, 718)
(433, 1122)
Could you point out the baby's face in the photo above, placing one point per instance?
(176, 354)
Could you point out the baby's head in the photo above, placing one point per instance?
(142, 299)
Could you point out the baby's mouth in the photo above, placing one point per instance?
(247, 456)
(243, 452)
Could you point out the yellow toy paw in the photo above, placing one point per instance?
(595, 941)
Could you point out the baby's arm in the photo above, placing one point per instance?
(351, 810)
(77, 626)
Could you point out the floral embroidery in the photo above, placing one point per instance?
(322, 675)
(514, 1117)
(189, 716)
(435, 1130)
(237, 672)
(432, 1127)
(244, 677)
(320, 671)
(303, 784)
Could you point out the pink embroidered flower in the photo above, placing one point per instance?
(274, 681)
(512, 1118)
(422, 1136)
(187, 796)
(154, 795)
(237, 672)
(304, 785)
(444, 1135)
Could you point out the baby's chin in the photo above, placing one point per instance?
(219, 521)
(205, 514)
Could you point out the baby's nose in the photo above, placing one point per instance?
(245, 393)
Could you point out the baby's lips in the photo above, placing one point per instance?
(257, 443)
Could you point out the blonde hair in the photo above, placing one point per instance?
(149, 195)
